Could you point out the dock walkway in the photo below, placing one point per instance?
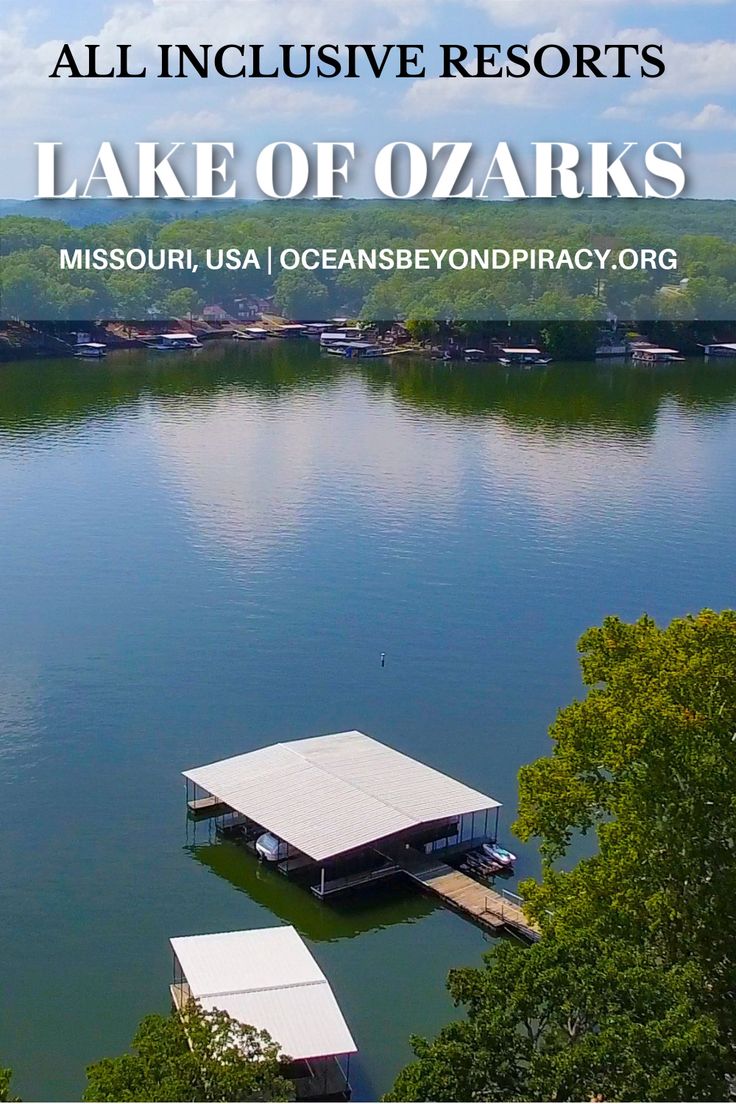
(485, 906)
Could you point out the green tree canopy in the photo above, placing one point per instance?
(301, 295)
(200, 1056)
(629, 993)
(6, 1076)
(571, 1019)
(648, 761)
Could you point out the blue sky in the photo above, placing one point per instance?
(695, 103)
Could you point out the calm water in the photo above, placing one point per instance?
(203, 554)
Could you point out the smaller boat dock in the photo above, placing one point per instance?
(339, 337)
(90, 350)
(652, 354)
(251, 333)
(268, 978)
(356, 350)
(721, 349)
(524, 357)
(168, 342)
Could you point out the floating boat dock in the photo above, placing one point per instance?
(352, 812)
(267, 977)
(724, 349)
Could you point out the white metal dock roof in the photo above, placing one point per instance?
(330, 794)
(267, 978)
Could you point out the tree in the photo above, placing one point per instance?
(422, 329)
(180, 303)
(6, 1076)
(200, 1056)
(648, 761)
(571, 1019)
(301, 295)
(629, 992)
(570, 340)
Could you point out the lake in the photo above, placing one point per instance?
(205, 553)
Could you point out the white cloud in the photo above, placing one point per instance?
(622, 112)
(711, 117)
(287, 101)
(571, 13)
(438, 95)
(197, 123)
(37, 108)
(693, 69)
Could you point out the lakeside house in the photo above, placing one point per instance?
(215, 313)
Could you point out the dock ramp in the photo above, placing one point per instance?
(486, 907)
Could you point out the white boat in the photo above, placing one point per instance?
(499, 854)
(475, 356)
(91, 350)
(166, 343)
(526, 357)
(271, 848)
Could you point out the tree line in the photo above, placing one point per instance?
(32, 285)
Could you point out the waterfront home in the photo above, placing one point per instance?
(268, 979)
(215, 313)
(246, 309)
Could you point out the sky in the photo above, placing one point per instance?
(694, 103)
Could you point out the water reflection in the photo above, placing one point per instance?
(21, 728)
(369, 911)
(40, 397)
(467, 522)
(561, 398)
